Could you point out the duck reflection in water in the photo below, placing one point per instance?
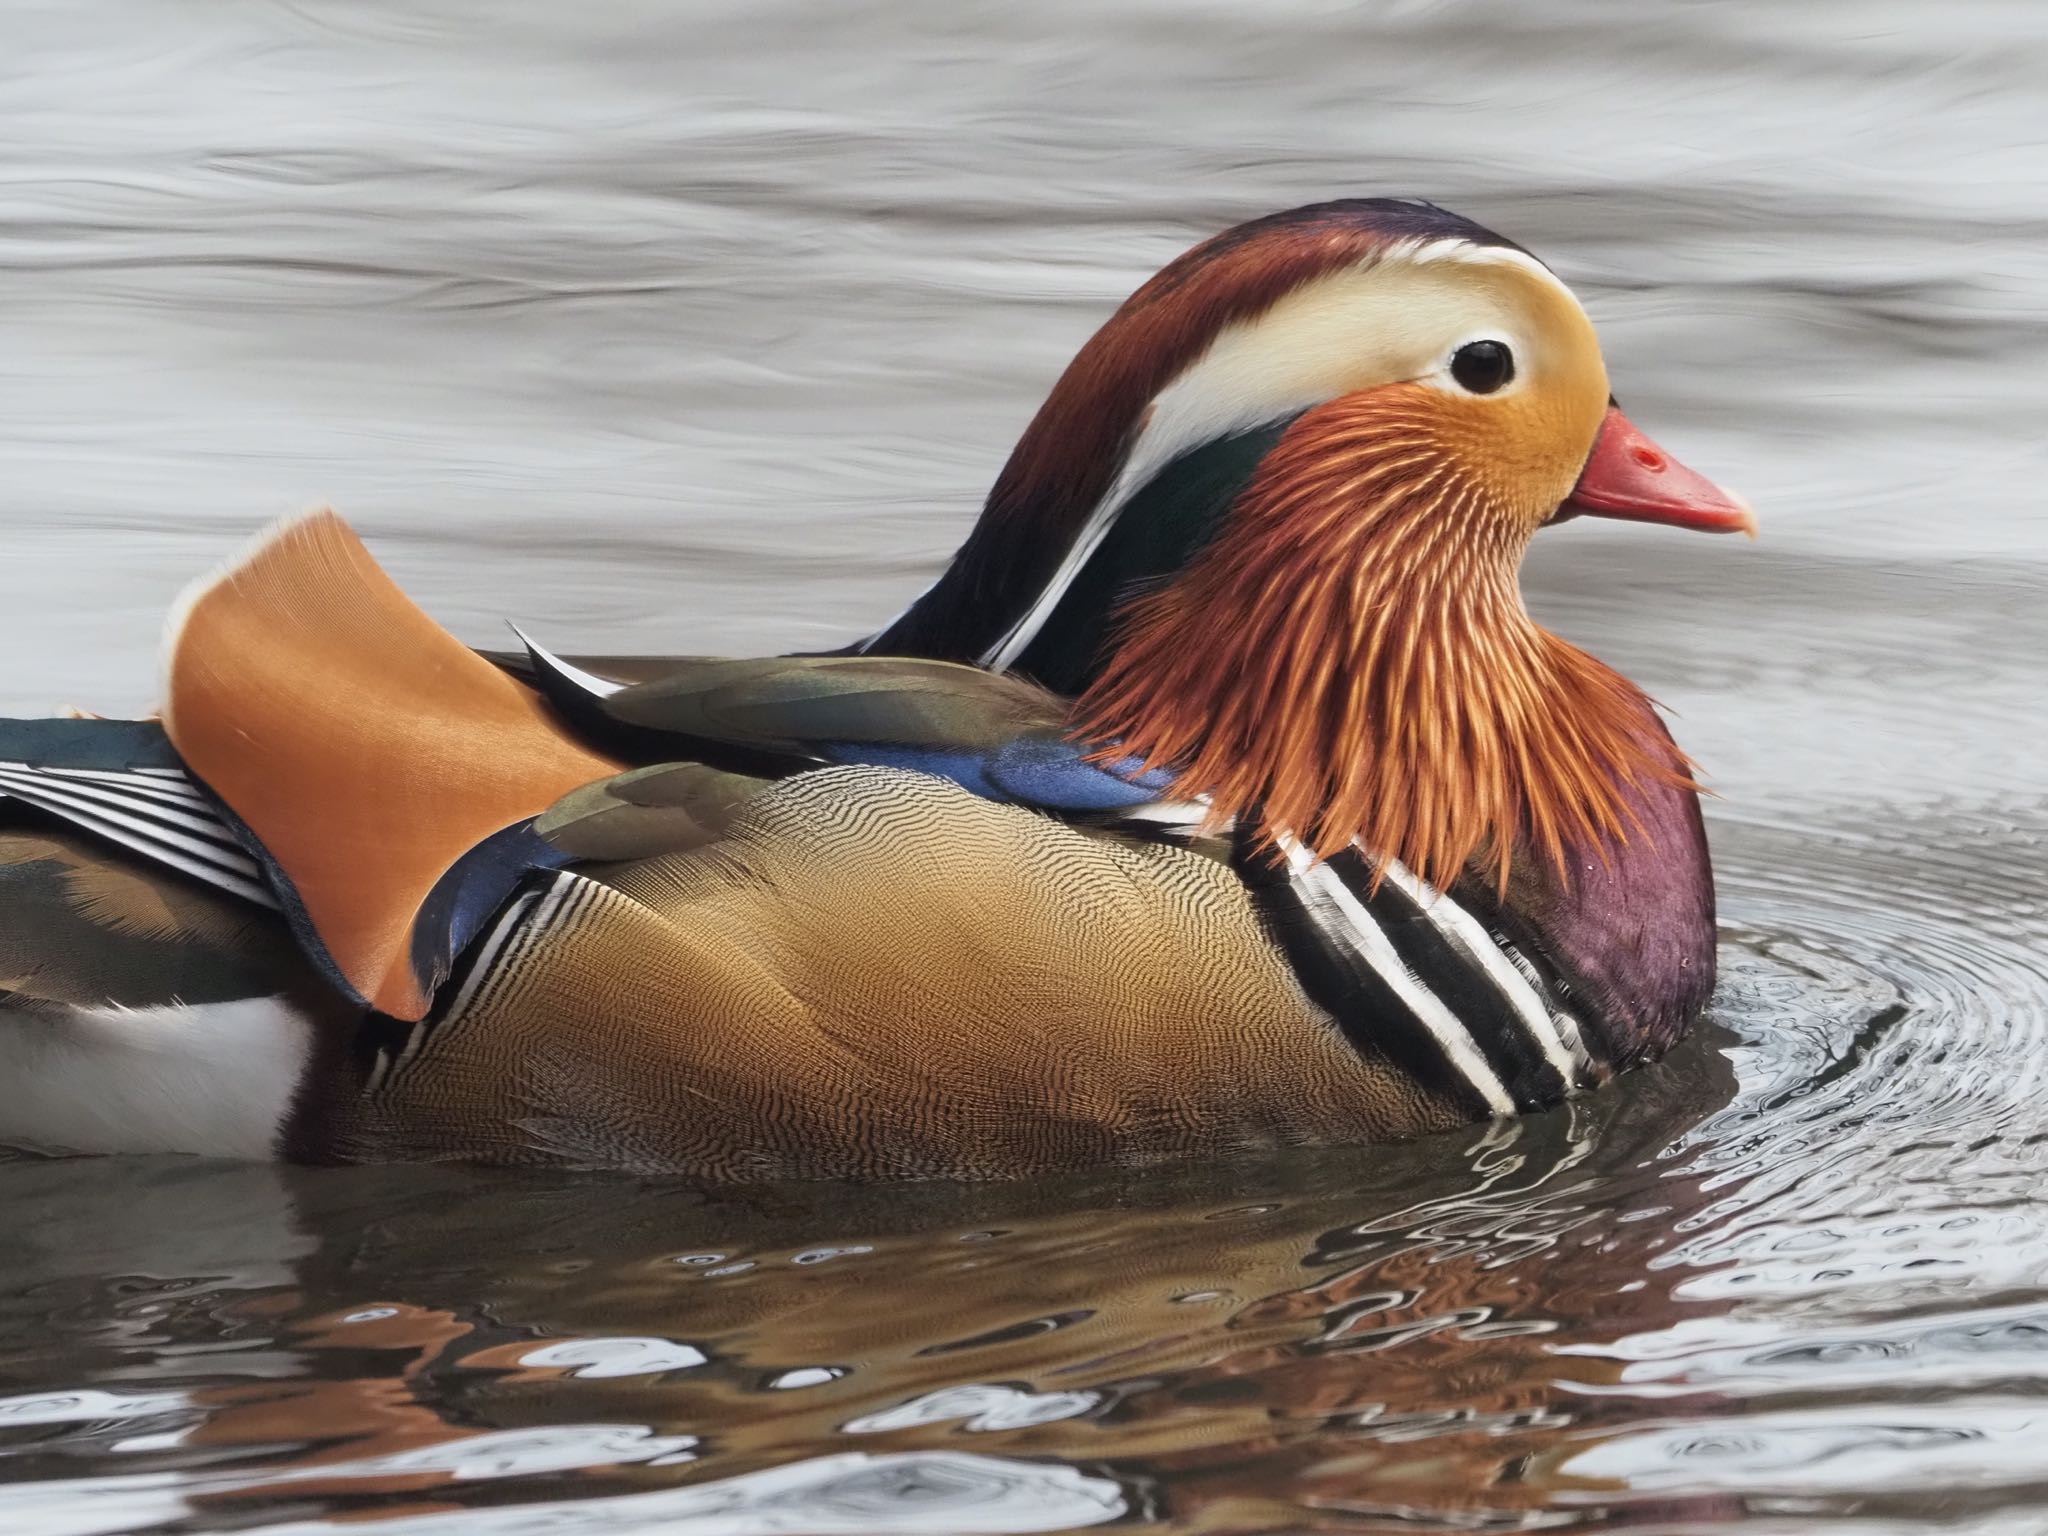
(1349, 1333)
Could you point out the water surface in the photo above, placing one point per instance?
(703, 327)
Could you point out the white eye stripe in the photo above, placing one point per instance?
(1307, 349)
(1453, 249)
(1319, 342)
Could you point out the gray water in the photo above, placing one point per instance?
(675, 327)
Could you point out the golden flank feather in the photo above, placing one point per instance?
(876, 973)
(1380, 680)
(366, 747)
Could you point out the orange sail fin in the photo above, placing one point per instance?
(365, 747)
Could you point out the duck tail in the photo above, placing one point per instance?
(362, 746)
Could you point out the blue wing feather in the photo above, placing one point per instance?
(1045, 774)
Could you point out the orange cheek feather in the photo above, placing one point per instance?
(1350, 658)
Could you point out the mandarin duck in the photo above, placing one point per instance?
(1221, 793)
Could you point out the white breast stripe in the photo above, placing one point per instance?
(1175, 815)
(1567, 1026)
(1574, 1041)
(1464, 933)
(1323, 889)
(589, 682)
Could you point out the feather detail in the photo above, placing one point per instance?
(86, 924)
(1350, 661)
(789, 704)
(650, 812)
(364, 747)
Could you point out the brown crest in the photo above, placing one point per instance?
(1068, 456)
(1076, 445)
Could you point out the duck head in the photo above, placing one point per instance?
(1268, 527)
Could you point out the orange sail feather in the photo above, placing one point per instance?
(364, 746)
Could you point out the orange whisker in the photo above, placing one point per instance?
(1350, 660)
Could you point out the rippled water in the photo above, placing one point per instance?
(672, 327)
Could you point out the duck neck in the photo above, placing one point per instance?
(1037, 591)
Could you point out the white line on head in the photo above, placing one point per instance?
(1396, 315)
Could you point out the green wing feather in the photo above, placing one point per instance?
(784, 706)
(785, 703)
(669, 808)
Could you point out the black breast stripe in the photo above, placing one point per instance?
(1342, 979)
(1530, 1072)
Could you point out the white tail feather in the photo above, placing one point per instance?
(216, 1080)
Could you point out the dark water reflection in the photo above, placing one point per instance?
(675, 327)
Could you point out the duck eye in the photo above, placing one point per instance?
(1483, 366)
